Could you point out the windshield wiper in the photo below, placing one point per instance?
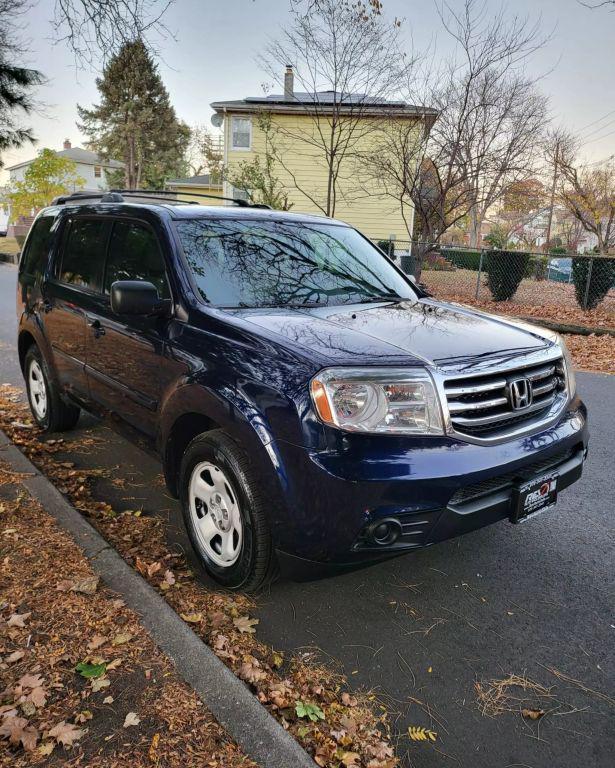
(384, 297)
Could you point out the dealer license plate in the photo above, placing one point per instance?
(533, 497)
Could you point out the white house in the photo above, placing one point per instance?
(89, 166)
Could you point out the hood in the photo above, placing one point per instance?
(404, 333)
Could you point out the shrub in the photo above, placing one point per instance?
(505, 270)
(601, 281)
(388, 246)
(462, 258)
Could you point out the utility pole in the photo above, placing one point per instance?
(553, 185)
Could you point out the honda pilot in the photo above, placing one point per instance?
(309, 402)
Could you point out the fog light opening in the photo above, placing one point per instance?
(385, 532)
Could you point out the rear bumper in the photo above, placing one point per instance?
(431, 492)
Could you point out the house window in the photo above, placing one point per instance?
(97, 171)
(241, 133)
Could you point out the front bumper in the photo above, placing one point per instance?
(435, 489)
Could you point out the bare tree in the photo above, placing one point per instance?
(346, 60)
(204, 153)
(588, 193)
(485, 138)
(97, 29)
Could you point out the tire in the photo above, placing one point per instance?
(223, 507)
(50, 412)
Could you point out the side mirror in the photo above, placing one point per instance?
(136, 297)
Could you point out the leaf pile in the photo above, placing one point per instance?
(306, 697)
(81, 679)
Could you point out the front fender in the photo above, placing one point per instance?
(243, 421)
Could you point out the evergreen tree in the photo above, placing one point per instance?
(135, 121)
(16, 82)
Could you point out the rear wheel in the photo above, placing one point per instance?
(224, 512)
(50, 412)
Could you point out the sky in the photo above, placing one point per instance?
(212, 55)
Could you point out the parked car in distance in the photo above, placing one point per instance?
(311, 407)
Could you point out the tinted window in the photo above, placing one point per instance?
(84, 252)
(243, 263)
(39, 242)
(134, 254)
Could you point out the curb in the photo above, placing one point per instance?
(229, 700)
(581, 330)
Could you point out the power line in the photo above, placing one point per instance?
(599, 120)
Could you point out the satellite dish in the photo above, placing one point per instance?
(216, 120)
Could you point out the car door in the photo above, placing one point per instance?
(126, 366)
(68, 293)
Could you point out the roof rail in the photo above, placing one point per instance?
(118, 196)
(151, 193)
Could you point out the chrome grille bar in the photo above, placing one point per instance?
(480, 405)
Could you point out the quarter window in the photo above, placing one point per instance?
(134, 254)
(84, 252)
(241, 128)
(39, 242)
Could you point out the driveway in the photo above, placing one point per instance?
(536, 601)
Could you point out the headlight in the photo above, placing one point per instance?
(378, 400)
(571, 381)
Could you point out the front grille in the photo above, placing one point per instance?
(481, 405)
(507, 480)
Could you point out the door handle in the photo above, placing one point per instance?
(97, 328)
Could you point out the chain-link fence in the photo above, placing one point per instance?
(553, 282)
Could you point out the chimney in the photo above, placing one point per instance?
(67, 144)
(289, 83)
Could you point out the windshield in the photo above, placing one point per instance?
(252, 263)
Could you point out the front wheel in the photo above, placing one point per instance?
(223, 508)
(50, 412)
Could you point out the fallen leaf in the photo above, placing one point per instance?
(96, 642)
(38, 697)
(348, 700)
(15, 656)
(418, 733)
(17, 619)
(192, 618)
(66, 733)
(84, 716)
(245, 624)
(250, 672)
(350, 759)
(533, 714)
(124, 637)
(100, 683)
(18, 731)
(91, 670)
(153, 569)
(153, 747)
(113, 664)
(108, 700)
(131, 719)
(47, 748)
(87, 586)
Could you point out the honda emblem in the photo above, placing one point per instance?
(520, 394)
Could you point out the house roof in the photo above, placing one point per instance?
(324, 101)
(194, 181)
(77, 155)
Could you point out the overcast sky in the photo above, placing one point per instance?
(213, 57)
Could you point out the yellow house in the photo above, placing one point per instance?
(201, 185)
(295, 123)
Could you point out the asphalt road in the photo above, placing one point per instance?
(536, 600)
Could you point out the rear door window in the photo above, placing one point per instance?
(36, 254)
(84, 253)
(134, 254)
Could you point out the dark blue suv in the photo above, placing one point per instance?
(310, 404)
